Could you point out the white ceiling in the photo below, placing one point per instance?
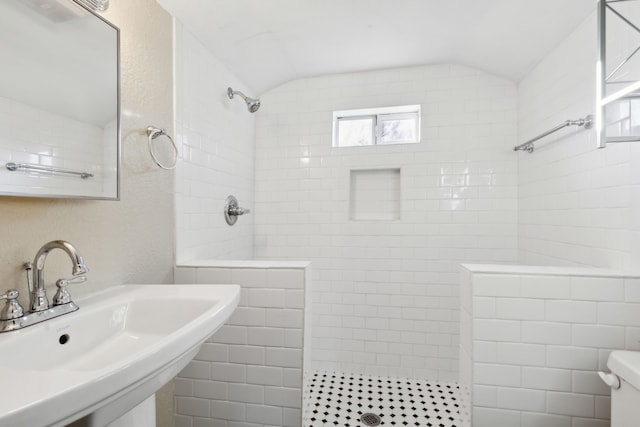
(268, 42)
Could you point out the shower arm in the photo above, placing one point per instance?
(231, 93)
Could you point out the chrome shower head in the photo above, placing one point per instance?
(252, 104)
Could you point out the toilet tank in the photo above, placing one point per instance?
(624, 381)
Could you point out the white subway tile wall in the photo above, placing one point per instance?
(577, 205)
(535, 367)
(249, 373)
(215, 136)
(385, 293)
(35, 136)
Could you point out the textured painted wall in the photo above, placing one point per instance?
(130, 240)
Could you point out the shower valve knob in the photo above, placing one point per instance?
(232, 210)
(238, 211)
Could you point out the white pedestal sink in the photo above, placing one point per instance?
(96, 364)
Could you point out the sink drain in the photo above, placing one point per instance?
(370, 419)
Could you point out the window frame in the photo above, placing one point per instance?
(374, 128)
(378, 115)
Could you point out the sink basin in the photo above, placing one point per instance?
(101, 361)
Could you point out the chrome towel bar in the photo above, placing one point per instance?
(38, 168)
(587, 122)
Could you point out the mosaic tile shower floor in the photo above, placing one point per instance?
(335, 399)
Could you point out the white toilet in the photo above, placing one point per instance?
(624, 381)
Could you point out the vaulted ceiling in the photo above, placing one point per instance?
(268, 42)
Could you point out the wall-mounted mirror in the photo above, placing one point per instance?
(618, 118)
(59, 101)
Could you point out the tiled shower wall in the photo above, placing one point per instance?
(533, 339)
(249, 373)
(216, 139)
(385, 291)
(577, 204)
(35, 136)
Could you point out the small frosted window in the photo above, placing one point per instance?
(376, 126)
(398, 128)
(355, 131)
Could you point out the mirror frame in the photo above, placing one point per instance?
(118, 141)
(602, 100)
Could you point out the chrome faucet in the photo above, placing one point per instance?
(13, 317)
(39, 301)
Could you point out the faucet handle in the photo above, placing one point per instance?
(12, 309)
(235, 210)
(63, 296)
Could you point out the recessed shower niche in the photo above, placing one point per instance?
(375, 195)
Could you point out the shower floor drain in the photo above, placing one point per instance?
(370, 419)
